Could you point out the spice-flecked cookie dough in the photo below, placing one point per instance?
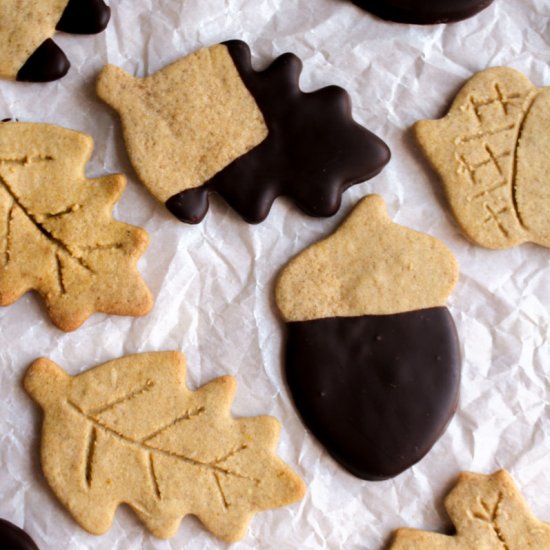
(129, 431)
(27, 51)
(423, 12)
(491, 153)
(372, 356)
(211, 123)
(57, 234)
(489, 513)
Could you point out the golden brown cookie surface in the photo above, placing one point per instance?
(489, 513)
(130, 431)
(369, 266)
(57, 234)
(490, 151)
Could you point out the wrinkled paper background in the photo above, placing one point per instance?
(213, 282)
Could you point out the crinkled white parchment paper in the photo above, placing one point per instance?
(213, 282)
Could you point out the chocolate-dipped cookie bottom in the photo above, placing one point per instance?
(377, 391)
(423, 12)
(14, 538)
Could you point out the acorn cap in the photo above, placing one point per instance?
(369, 266)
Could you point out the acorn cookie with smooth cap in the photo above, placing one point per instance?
(211, 123)
(491, 153)
(27, 51)
(372, 356)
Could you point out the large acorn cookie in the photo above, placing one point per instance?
(211, 123)
(27, 51)
(372, 356)
(491, 152)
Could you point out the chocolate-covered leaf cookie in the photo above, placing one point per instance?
(211, 123)
(129, 431)
(27, 51)
(57, 234)
(489, 513)
(372, 356)
(491, 153)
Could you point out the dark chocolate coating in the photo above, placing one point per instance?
(423, 12)
(84, 17)
(377, 390)
(314, 150)
(13, 538)
(47, 63)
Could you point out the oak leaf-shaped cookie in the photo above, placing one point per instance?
(489, 513)
(130, 431)
(27, 51)
(491, 152)
(57, 235)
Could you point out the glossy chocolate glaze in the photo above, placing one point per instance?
(13, 538)
(378, 390)
(47, 63)
(423, 12)
(84, 17)
(314, 150)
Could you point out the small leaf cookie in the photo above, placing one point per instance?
(491, 152)
(130, 431)
(372, 357)
(211, 123)
(57, 235)
(489, 513)
(27, 51)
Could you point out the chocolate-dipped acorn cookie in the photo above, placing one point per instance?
(423, 12)
(211, 123)
(372, 357)
(27, 51)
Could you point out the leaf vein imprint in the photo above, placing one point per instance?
(170, 454)
(149, 384)
(154, 477)
(55, 241)
(186, 416)
(90, 453)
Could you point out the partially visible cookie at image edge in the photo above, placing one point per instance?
(14, 538)
(491, 153)
(488, 512)
(422, 12)
(27, 51)
(130, 431)
(211, 123)
(57, 234)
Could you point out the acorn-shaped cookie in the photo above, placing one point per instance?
(27, 51)
(211, 123)
(372, 356)
(492, 153)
